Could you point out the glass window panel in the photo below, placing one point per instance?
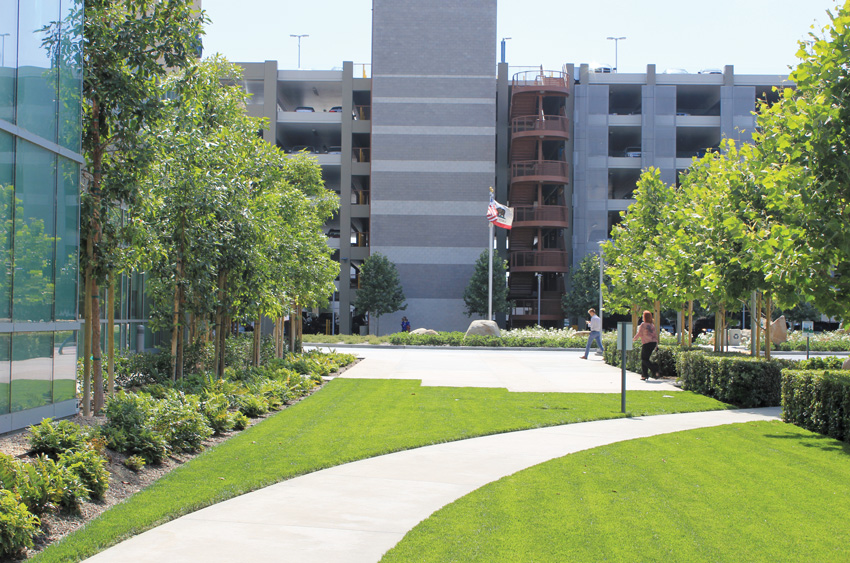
(67, 240)
(8, 57)
(7, 198)
(65, 366)
(34, 241)
(38, 76)
(32, 370)
(71, 74)
(5, 371)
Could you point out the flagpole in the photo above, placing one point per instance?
(490, 267)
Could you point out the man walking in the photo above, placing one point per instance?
(595, 324)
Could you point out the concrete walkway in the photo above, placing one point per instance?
(356, 512)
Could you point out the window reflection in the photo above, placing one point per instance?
(34, 240)
(32, 370)
(67, 214)
(65, 366)
(5, 371)
(8, 57)
(7, 195)
(71, 74)
(37, 73)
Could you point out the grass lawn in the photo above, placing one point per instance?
(346, 421)
(765, 491)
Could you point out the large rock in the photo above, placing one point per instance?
(483, 328)
(424, 331)
(779, 331)
(846, 364)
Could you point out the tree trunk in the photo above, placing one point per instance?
(657, 317)
(634, 316)
(97, 359)
(258, 333)
(757, 313)
(768, 340)
(87, 334)
(110, 335)
(175, 327)
(690, 322)
(218, 368)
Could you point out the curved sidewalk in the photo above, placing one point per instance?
(356, 512)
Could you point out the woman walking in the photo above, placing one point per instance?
(648, 335)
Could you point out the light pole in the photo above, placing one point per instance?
(538, 275)
(503, 47)
(3, 36)
(299, 47)
(616, 41)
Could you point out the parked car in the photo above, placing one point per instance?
(305, 148)
(632, 152)
(336, 109)
(711, 71)
(602, 69)
(305, 109)
(334, 150)
(675, 71)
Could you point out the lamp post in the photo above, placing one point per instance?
(503, 47)
(299, 47)
(538, 275)
(616, 41)
(3, 36)
(601, 266)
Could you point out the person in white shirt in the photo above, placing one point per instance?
(595, 324)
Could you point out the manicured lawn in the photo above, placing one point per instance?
(346, 421)
(765, 491)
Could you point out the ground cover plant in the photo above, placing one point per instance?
(762, 491)
(349, 420)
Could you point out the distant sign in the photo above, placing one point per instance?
(808, 327)
(624, 336)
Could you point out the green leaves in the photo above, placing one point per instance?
(476, 293)
(380, 290)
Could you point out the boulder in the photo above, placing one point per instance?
(424, 331)
(779, 330)
(483, 328)
(846, 364)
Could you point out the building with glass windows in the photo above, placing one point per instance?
(40, 161)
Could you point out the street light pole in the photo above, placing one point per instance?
(299, 47)
(601, 266)
(616, 41)
(538, 275)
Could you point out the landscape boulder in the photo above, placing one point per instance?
(424, 331)
(483, 328)
(779, 331)
(846, 364)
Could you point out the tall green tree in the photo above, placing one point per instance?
(477, 290)
(127, 47)
(584, 288)
(380, 291)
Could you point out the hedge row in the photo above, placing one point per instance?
(818, 401)
(459, 339)
(664, 356)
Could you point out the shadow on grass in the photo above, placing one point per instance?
(814, 440)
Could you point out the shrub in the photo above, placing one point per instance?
(214, 407)
(129, 428)
(178, 418)
(17, 525)
(240, 421)
(38, 485)
(90, 467)
(818, 401)
(56, 438)
(821, 363)
(253, 406)
(145, 368)
(134, 463)
(740, 380)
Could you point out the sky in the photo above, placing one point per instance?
(756, 36)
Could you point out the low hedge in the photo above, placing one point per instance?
(818, 401)
(740, 380)
(459, 339)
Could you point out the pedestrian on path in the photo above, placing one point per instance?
(595, 324)
(648, 335)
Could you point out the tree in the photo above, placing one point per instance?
(380, 290)
(584, 288)
(476, 293)
(127, 47)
